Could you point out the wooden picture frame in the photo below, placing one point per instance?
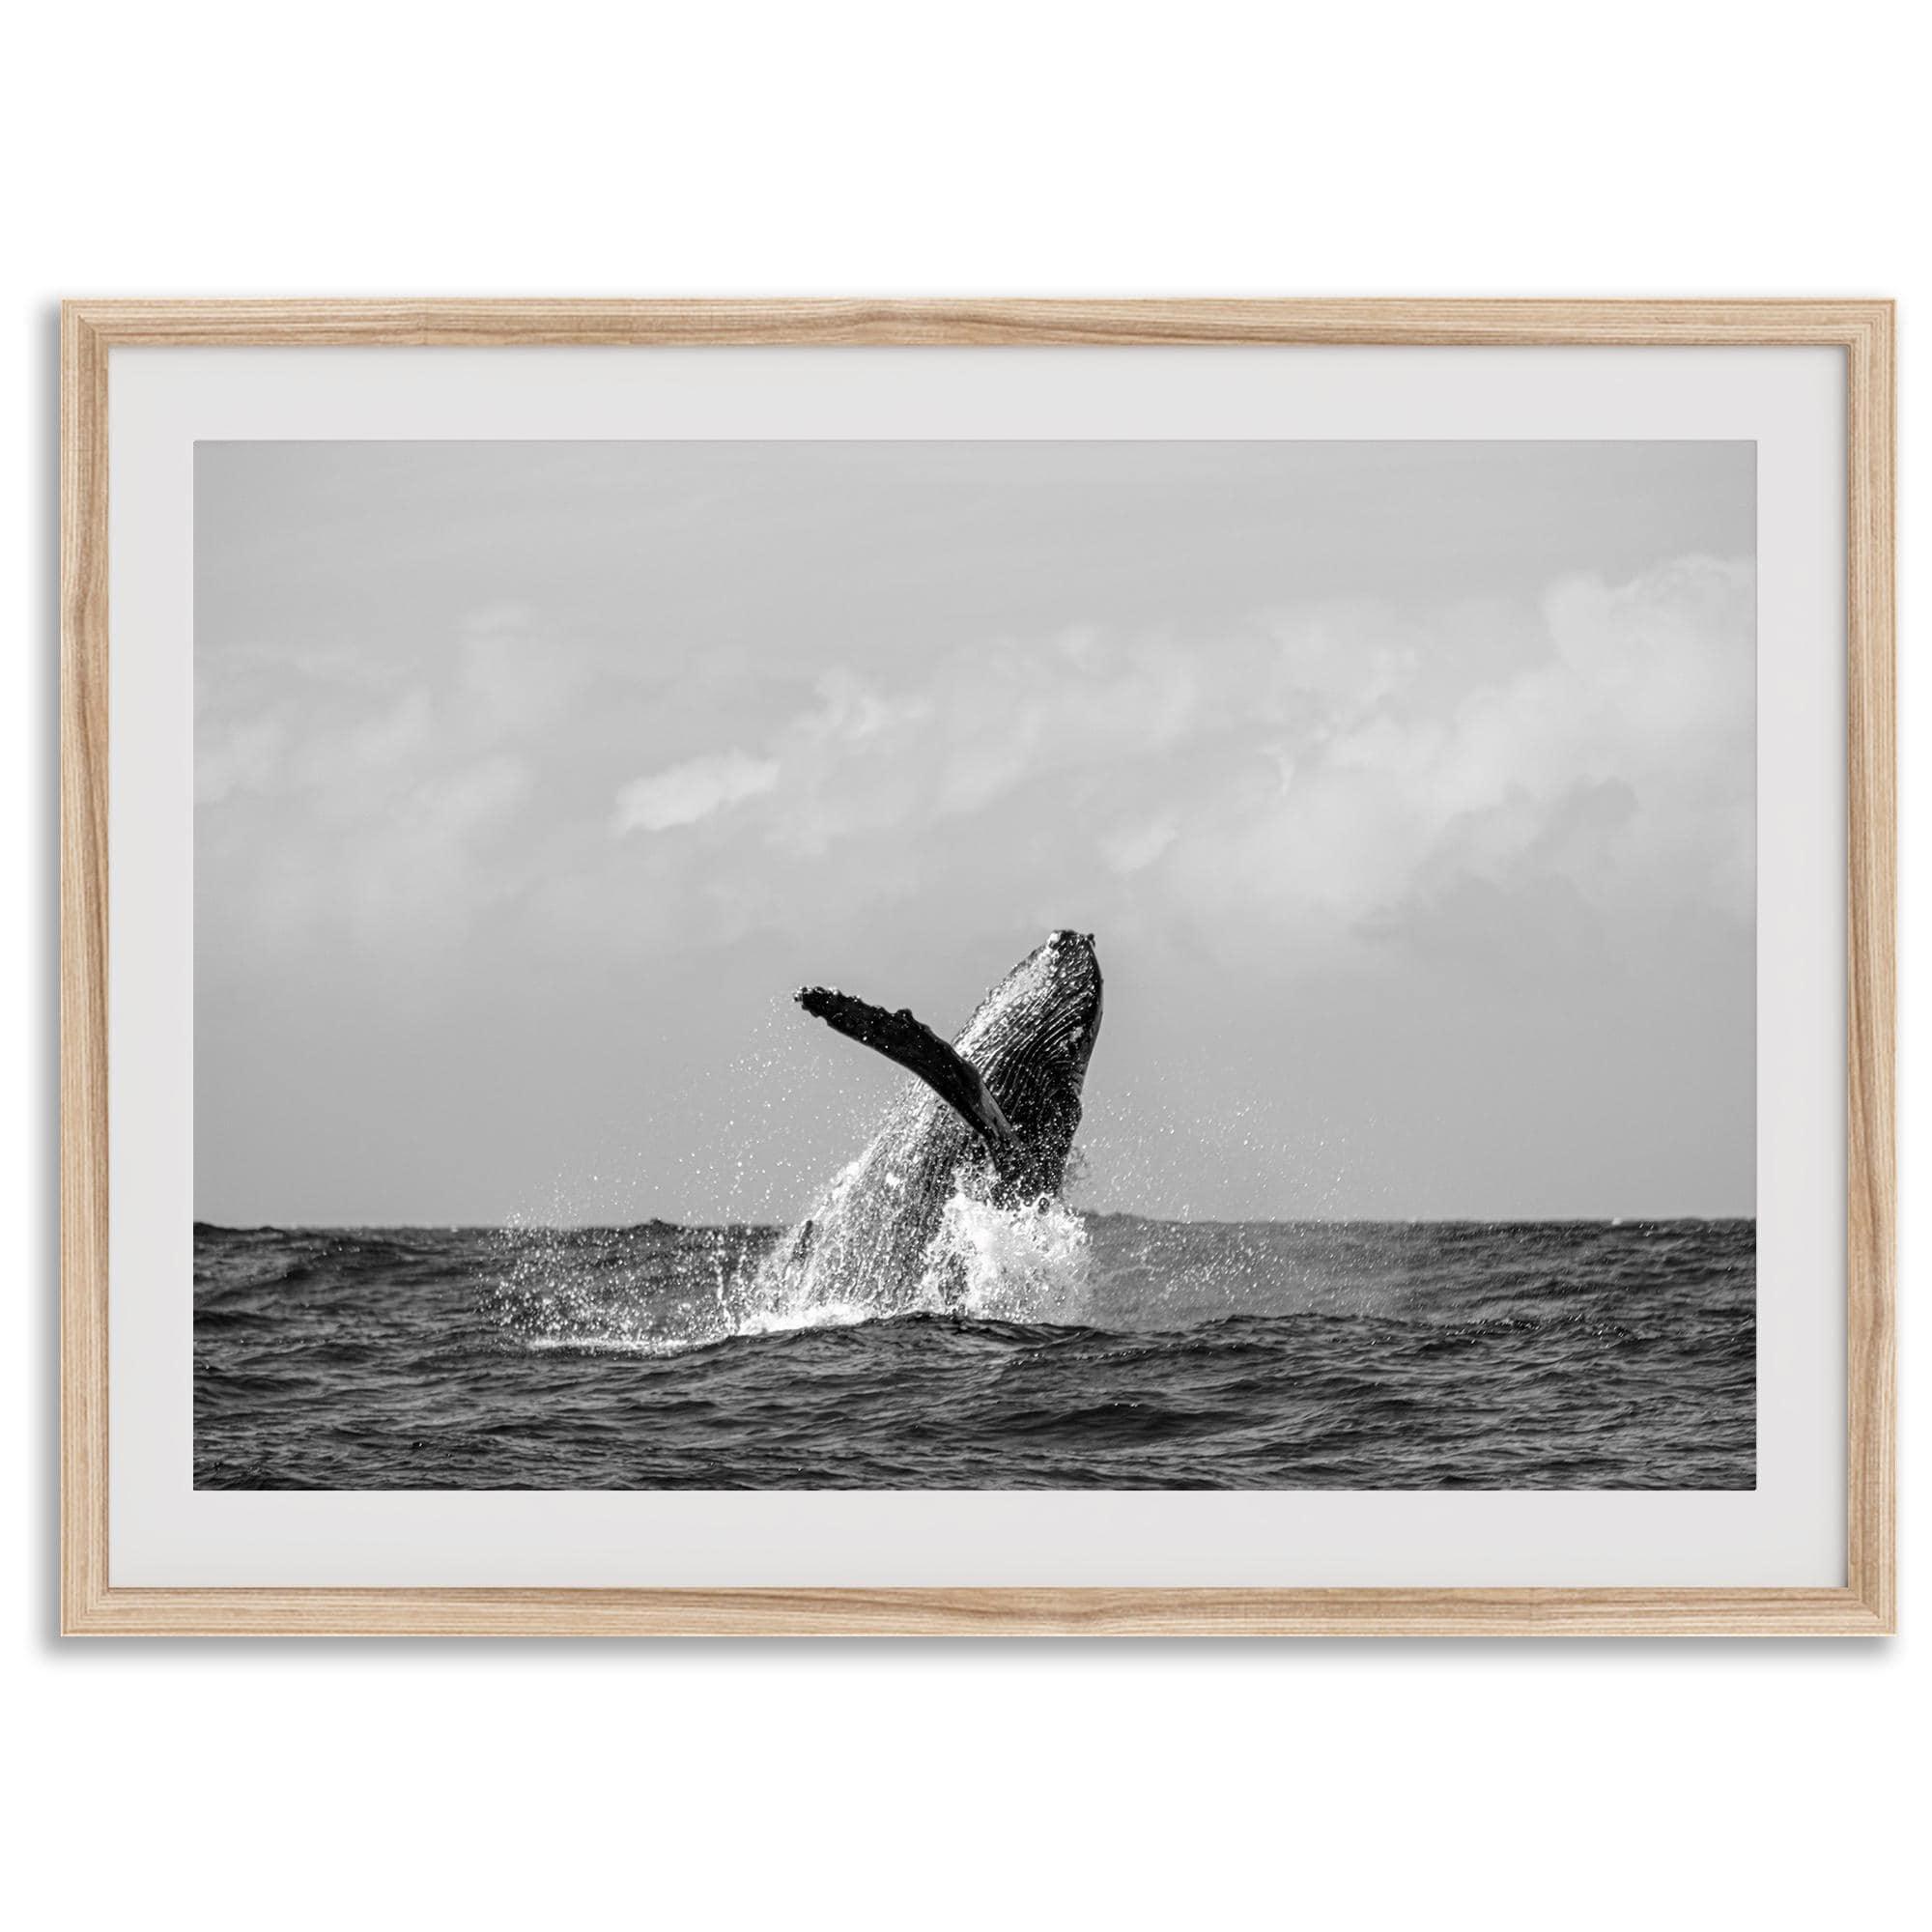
(92, 1605)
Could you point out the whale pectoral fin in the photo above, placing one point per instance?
(910, 1044)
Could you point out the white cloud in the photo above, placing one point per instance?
(1311, 773)
(692, 791)
(514, 676)
(237, 755)
(430, 872)
(1619, 761)
(387, 796)
(1134, 846)
(1288, 784)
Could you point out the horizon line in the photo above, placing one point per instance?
(1083, 1214)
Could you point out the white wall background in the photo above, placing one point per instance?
(402, 148)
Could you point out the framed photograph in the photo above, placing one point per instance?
(978, 967)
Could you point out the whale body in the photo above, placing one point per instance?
(993, 1113)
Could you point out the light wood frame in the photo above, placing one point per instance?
(1865, 1606)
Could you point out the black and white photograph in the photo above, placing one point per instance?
(1005, 965)
(958, 967)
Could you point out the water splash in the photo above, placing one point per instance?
(1027, 1264)
(985, 1260)
(640, 1290)
(663, 1290)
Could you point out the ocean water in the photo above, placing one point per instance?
(1066, 1353)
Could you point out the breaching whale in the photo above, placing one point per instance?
(994, 1112)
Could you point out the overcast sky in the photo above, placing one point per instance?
(1408, 789)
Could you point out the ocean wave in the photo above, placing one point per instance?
(1033, 1348)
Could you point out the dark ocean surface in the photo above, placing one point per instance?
(1095, 1352)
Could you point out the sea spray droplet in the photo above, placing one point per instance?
(616, 1289)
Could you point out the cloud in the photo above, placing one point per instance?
(692, 791)
(1618, 760)
(1312, 776)
(515, 677)
(376, 794)
(1135, 846)
(238, 756)
(1307, 782)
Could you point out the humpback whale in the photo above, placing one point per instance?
(994, 1112)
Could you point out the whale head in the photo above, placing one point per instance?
(1042, 1018)
(1031, 1039)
